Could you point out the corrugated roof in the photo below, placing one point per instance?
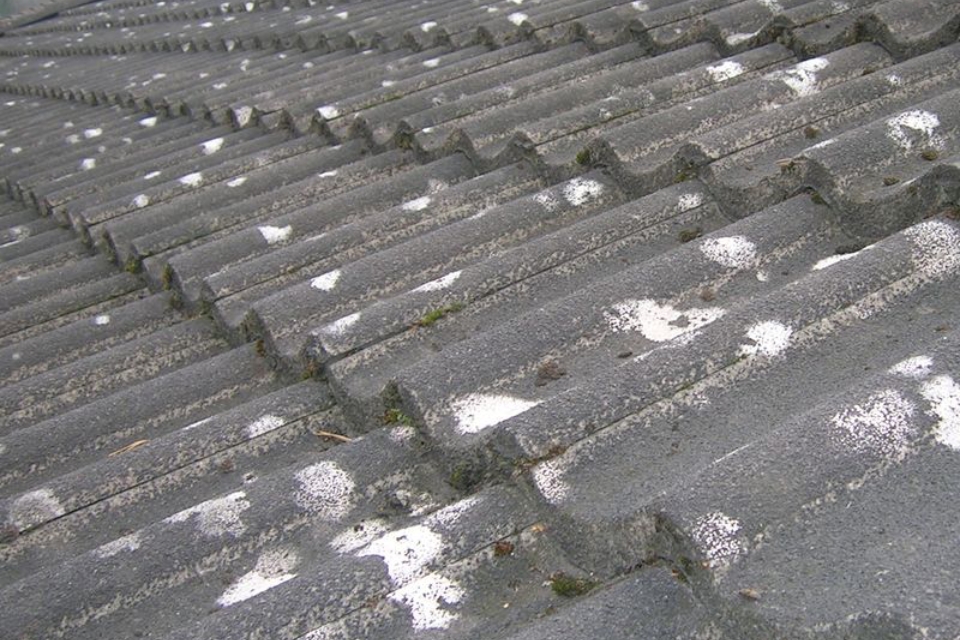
(457, 319)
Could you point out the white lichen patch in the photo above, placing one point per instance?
(152, 175)
(273, 235)
(407, 552)
(358, 536)
(943, 394)
(718, 536)
(88, 163)
(479, 411)
(149, 122)
(451, 515)
(218, 517)
(101, 320)
(263, 425)
(725, 70)
(140, 201)
(233, 183)
(547, 200)
(273, 568)
(582, 190)
(549, 478)
(769, 339)
(894, 79)
(326, 490)
(802, 77)
(640, 6)
(340, 326)
(915, 128)
(432, 63)
(212, 146)
(916, 368)
(429, 600)
(659, 322)
(127, 544)
(936, 250)
(879, 426)
(191, 179)
(689, 201)
(92, 133)
(417, 204)
(243, 115)
(327, 281)
(733, 252)
(328, 112)
(439, 284)
(34, 508)
(772, 5)
(739, 38)
(517, 18)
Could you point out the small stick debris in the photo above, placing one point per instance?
(749, 594)
(332, 436)
(129, 447)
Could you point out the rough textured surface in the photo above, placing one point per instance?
(509, 320)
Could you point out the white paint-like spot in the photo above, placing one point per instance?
(340, 326)
(770, 338)
(479, 411)
(387, 83)
(211, 146)
(206, 25)
(244, 65)
(689, 201)
(943, 394)
(440, 283)
(217, 517)
(917, 367)
(832, 260)
(725, 70)
(127, 544)
(762, 276)
(16, 356)
(152, 175)
(824, 144)
(219, 86)
(236, 182)
(802, 77)
(581, 190)
(101, 320)
(640, 6)
(327, 281)
(159, 76)
(198, 423)
(328, 112)
(428, 600)
(92, 133)
(549, 478)
(88, 163)
(273, 568)
(243, 115)
(73, 138)
(772, 5)
(894, 79)
(717, 535)
(192, 179)
(431, 63)
(34, 508)
(417, 204)
(517, 18)
(936, 248)
(915, 128)
(328, 174)
(880, 426)
(547, 200)
(51, 63)
(140, 201)
(659, 322)
(358, 536)
(263, 425)
(16, 150)
(274, 235)
(739, 38)
(326, 490)
(343, 15)
(149, 122)
(428, 26)
(406, 552)
(734, 252)
(304, 20)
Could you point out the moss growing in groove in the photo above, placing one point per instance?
(583, 157)
(432, 316)
(395, 416)
(570, 587)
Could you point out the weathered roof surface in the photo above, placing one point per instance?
(456, 319)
